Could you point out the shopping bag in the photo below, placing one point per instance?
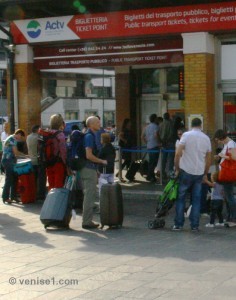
(227, 171)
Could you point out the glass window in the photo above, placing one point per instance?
(71, 115)
(172, 80)
(108, 118)
(3, 83)
(150, 81)
(230, 114)
(89, 113)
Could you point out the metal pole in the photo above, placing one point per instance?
(120, 163)
(10, 53)
(11, 85)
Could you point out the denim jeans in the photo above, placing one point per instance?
(9, 188)
(194, 183)
(152, 163)
(168, 156)
(229, 195)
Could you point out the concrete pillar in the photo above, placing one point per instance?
(199, 77)
(29, 88)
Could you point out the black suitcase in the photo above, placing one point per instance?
(111, 205)
(56, 210)
(133, 169)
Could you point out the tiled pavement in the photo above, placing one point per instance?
(131, 263)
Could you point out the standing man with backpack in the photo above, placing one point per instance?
(89, 172)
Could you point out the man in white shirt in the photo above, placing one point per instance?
(192, 163)
(4, 134)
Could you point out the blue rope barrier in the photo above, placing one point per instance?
(147, 151)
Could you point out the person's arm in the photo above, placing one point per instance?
(90, 156)
(178, 154)
(208, 182)
(207, 163)
(17, 153)
(121, 137)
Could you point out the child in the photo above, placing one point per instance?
(217, 198)
(108, 153)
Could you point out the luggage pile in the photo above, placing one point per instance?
(26, 185)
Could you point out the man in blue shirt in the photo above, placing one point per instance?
(89, 172)
(149, 136)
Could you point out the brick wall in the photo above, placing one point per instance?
(29, 95)
(122, 98)
(199, 88)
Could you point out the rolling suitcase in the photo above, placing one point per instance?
(56, 210)
(133, 169)
(111, 205)
(26, 188)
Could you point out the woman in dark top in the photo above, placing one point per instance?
(126, 141)
(107, 153)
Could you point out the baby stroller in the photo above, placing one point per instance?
(165, 203)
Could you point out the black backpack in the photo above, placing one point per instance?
(76, 154)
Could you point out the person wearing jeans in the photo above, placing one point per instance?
(187, 181)
(192, 163)
(10, 153)
(221, 137)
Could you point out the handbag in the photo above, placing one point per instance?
(227, 171)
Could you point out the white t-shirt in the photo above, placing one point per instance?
(4, 136)
(197, 145)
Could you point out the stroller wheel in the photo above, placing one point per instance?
(162, 223)
(152, 225)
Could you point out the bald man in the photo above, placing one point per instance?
(89, 172)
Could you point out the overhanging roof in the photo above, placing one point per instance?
(28, 9)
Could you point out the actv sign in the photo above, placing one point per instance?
(157, 21)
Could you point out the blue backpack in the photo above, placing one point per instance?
(76, 154)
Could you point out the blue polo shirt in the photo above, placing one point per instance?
(90, 142)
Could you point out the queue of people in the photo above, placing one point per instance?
(190, 160)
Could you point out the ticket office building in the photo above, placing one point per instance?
(189, 73)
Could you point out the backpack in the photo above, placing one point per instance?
(76, 154)
(46, 147)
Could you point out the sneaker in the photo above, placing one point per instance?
(177, 228)
(92, 225)
(210, 225)
(220, 224)
(195, 229)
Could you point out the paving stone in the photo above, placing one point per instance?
(131, 263)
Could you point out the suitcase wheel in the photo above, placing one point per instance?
(115, 226)
(45, 227)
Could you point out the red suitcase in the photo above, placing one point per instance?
(26, 188)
